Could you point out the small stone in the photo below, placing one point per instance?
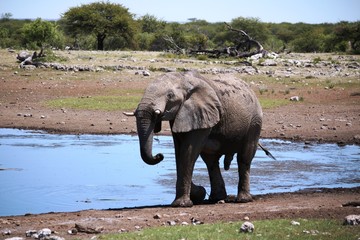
(352, 220)
(44, 232)
(221, 202)
(184, 223)
(295, 223)
(6, 232)
(295, 98)
(73, 231)
(28, 115)
(157, 216)
(195, 221)
(246, 218)
(29, 233)
(146, 73)
(171, 223)
(247, 227)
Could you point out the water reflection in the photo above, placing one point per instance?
(48, 172)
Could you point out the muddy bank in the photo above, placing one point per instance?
(318, 203)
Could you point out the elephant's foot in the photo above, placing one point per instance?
(182, 202)
(216, 197)
(244, 197)
(197, 194)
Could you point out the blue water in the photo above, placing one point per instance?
(44, 172)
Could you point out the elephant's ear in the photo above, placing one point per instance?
(202, 107)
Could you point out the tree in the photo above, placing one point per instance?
(6, 16)
(102, 19)
(40, 33)
(349, 33)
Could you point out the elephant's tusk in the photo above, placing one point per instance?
(157, 111)
(129, 114)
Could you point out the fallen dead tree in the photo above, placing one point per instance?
(246, 47)
(26, 58)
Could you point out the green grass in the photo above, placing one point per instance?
(127, 102)
(267, 103)
(266, 229)
(107, 103)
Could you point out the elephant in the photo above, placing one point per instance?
(208, 118)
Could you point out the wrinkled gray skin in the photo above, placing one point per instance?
(210, 118)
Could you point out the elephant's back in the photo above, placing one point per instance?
(241, 107)
(234, 93)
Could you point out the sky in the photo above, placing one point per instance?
(275, 11)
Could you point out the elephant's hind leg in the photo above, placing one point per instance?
(244, 158)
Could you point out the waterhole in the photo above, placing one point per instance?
(41, 172)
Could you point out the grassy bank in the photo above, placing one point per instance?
(266, 229)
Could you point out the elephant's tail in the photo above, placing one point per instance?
(267, 152)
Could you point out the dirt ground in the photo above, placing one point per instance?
(329, 111)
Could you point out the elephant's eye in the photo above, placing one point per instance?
(170, 95)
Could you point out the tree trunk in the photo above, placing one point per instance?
(100, 41)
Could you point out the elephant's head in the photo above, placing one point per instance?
(186, 100)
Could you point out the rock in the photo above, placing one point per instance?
(45, 232)
(247, 227)
(146, 73)
(157, 216)
(195, 221)
(357, 137)
(268, 62)
(14, 238)
(171, 223)
(295, 223)
(88, 229)
(352, 220)
(29, 233)
(256, 56)
(295, 98)
(6, 232)
(73, 231)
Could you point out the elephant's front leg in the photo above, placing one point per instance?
(187, 149)
(218, 191)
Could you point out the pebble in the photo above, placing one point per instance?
(157, 216)
(295, 98)
(295, 223)
(352, 220)
(171, 223)
(247, 227)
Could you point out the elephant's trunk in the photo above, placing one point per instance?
(145, 127)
